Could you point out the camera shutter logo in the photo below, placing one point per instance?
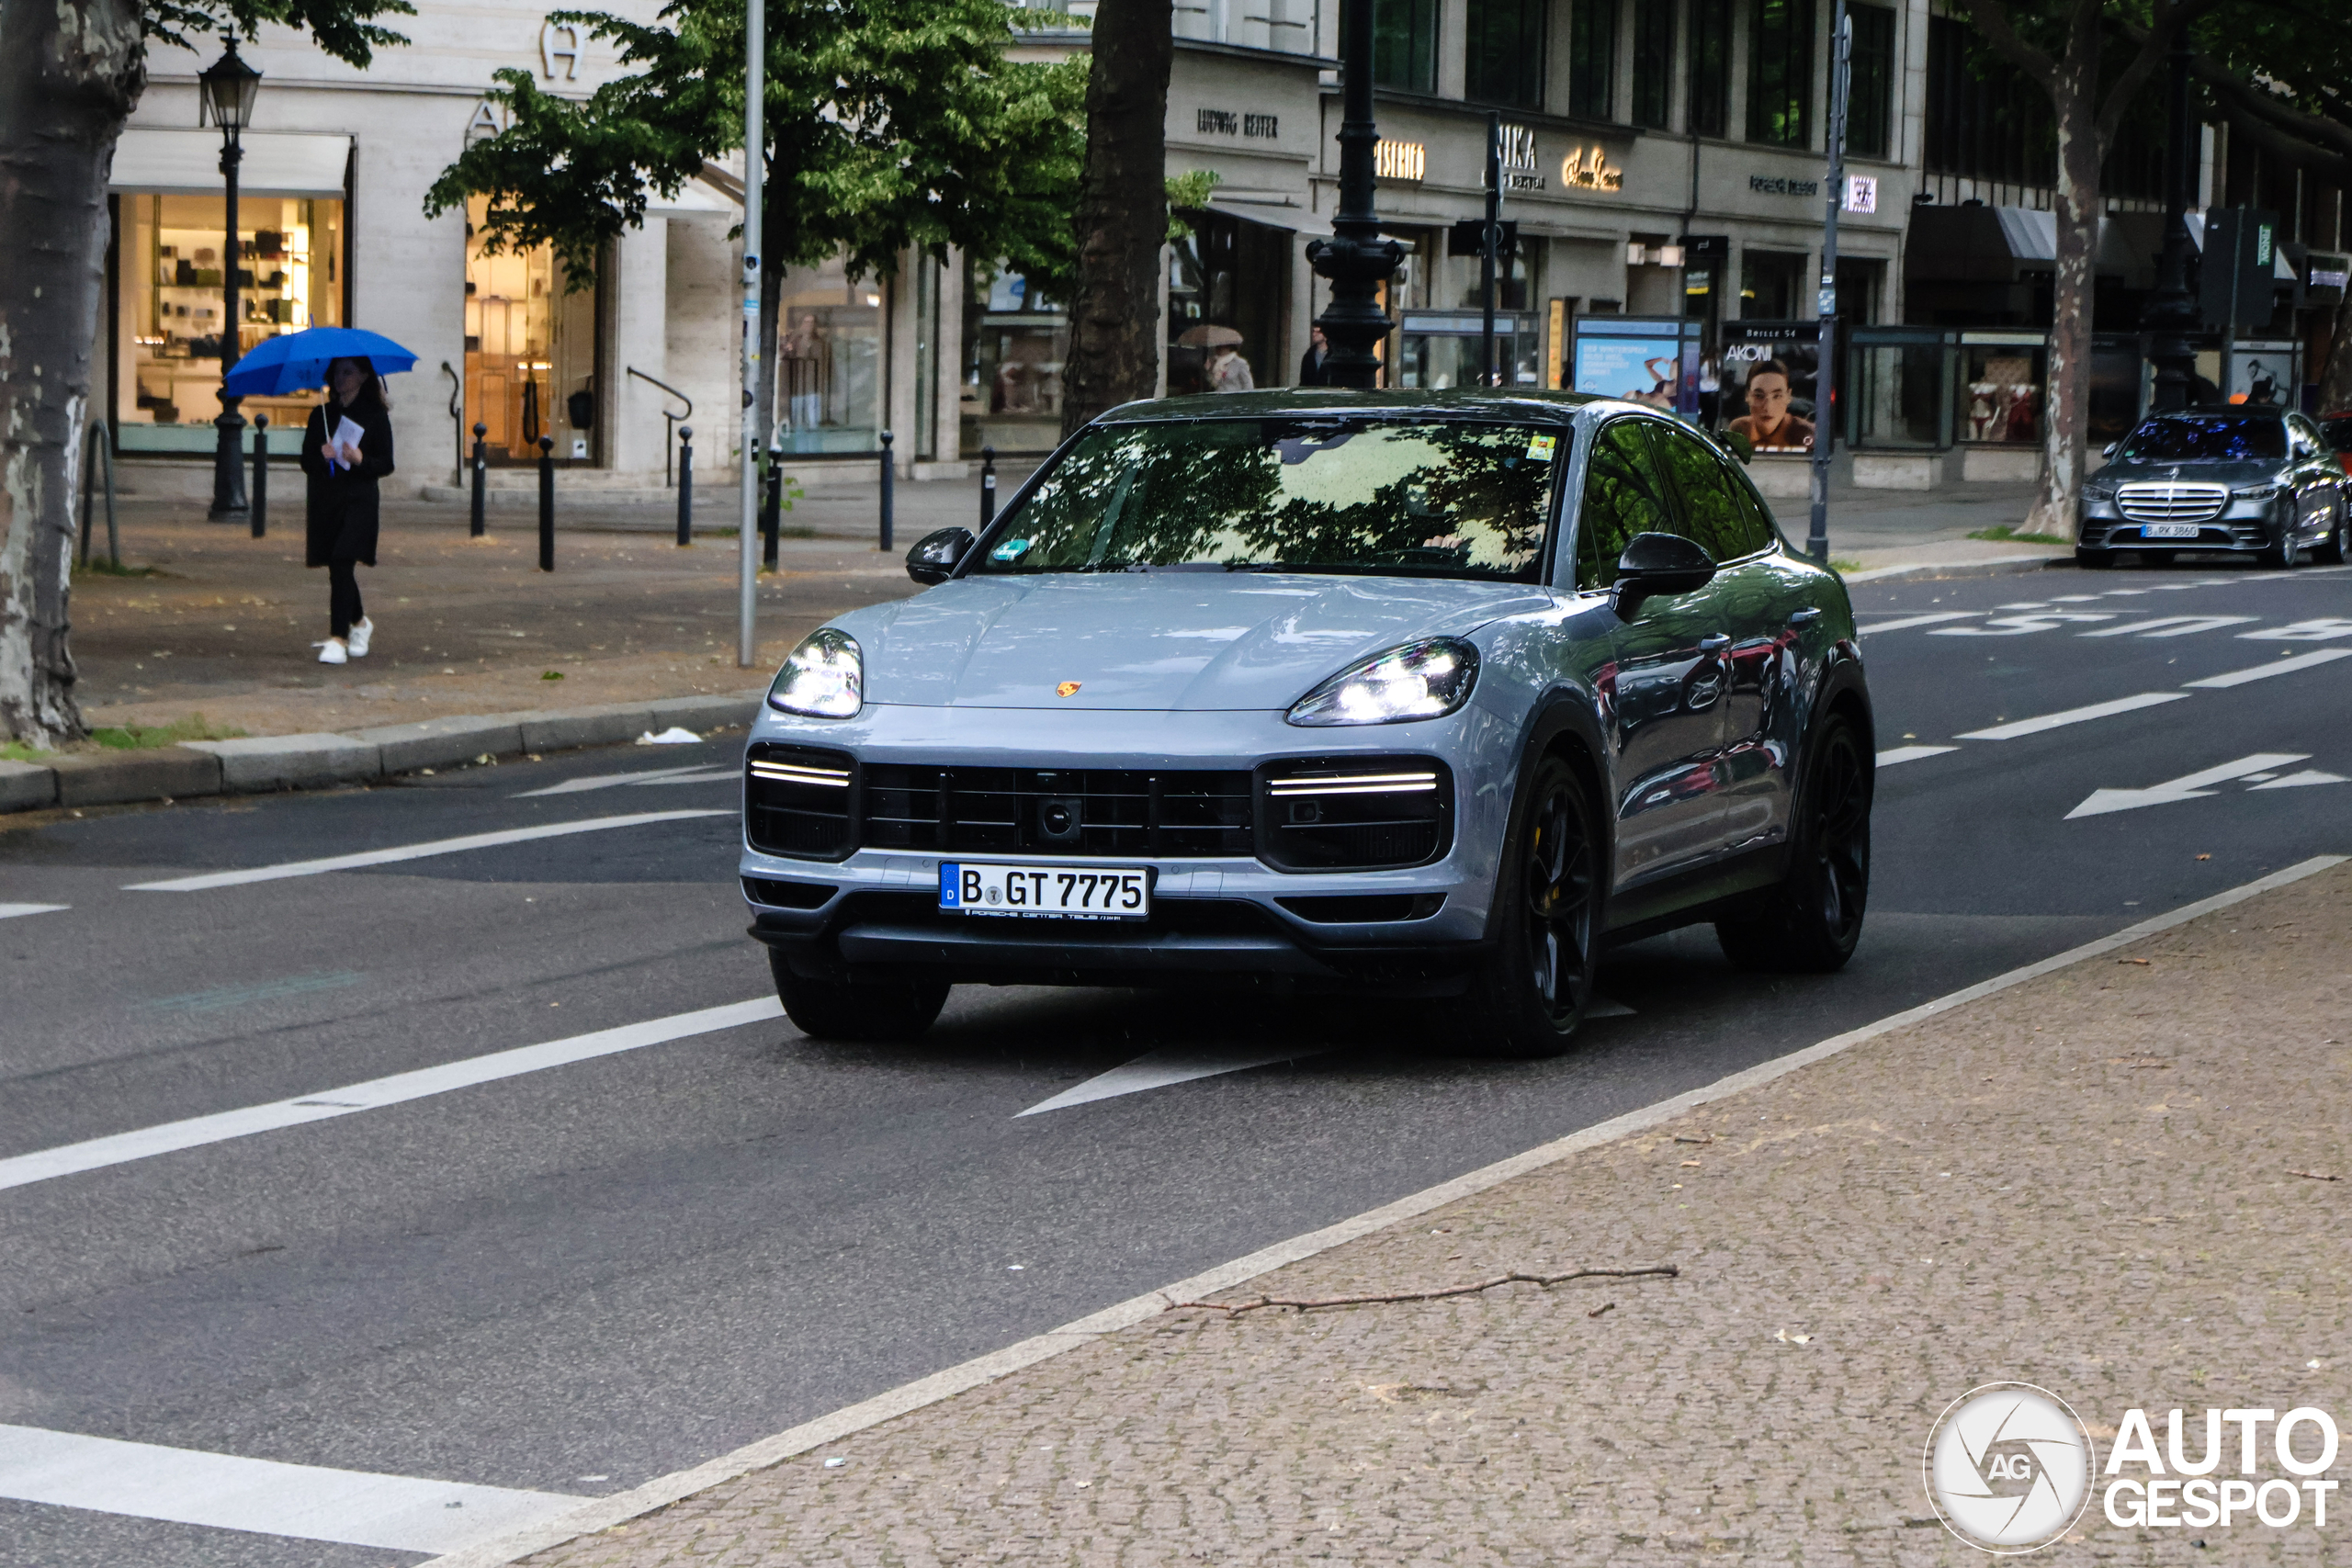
(2008, 1467)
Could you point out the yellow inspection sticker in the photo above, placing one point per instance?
(1539, 447)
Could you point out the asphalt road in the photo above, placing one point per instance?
(573, 1279)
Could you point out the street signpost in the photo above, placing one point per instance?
(747, 539)
(1825, 409)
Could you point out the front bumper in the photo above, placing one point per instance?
(2242, 526)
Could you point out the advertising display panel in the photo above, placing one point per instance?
(1769, 376)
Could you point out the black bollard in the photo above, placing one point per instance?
(481, 477)
(260, 499)
(772, 508)
(547, 503)
(685, 485)
(988, 487)
(889, 476)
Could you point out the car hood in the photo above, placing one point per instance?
(2253, 473)
(1155, 641)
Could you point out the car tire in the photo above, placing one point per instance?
(834, 1009)
(2094, 560)
(1809, 924)
(1528, 997)
(2336, 547)
(2287, 553)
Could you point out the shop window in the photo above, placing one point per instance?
(1871, 106)
(530, 350)
(1511, 280)
(1711, 67)
(829, 381)
(168, 302)
(2000, 400)
(1228, 282)
(1653, 64)
(1015, 342)
(1404, 44)
(1779, 72)
(1770, 283)
(1592, 59)
(1504, 52)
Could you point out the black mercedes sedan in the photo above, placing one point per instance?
(2254, 481)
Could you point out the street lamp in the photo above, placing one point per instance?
(1356, 258)
(226, 99)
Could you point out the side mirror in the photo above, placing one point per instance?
(935, 556)
(2109, 450)
(1659, 563)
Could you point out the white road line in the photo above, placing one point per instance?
(187, 1486)
(1911, 754)
(1157, 1069)
(2128, 627)
(2073, 716)
(2197, 624)
(1910, 621)
(10, 911)
(409, 851)
(699, 774)
(2264, 672)
(145, 1143)
(604, 1513)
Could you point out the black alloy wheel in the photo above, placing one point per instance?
(1810, 923)
(834, 1009)
(1530, 995)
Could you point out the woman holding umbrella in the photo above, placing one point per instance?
(346, 449)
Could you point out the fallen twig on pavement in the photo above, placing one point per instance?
(2315, 1175)
(1605, 1307)
(1234, 1308)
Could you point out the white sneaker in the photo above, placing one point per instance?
(357, 640)
(332, 652)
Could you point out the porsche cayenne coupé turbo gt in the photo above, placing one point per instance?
(1423, 694)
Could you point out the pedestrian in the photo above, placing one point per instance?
(1311, 372)
(346, 449)
(1228, 372)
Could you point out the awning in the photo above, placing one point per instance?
(1270, 211)
(188, 163)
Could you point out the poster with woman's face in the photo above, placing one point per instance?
(1768, 384)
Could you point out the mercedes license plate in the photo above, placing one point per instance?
(1068, 892)
(2169, 530)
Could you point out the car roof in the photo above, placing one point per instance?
(1531, 404)
(2231, 410)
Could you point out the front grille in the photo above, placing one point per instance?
(2171, 501)
(1071, 811)
(799, 801)
(1355, 813)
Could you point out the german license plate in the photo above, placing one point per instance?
(2169, 530)
(1079, 892)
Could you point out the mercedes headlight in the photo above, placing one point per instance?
(2255, 492)
(2100, 489)
(1421, 680)
(825, 677)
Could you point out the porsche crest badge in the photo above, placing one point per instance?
(1066, 689)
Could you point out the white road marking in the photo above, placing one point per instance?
(1911, 754)
(2172, 625)
(2327, 629)
(1603, 1007)
(2308, 777)
(1178, 1063)
(2025, 624)
(145, 1143)
(2188, 786)
(2264, 672)
(187, 1486)
(10, 911)
(2073, 716)
(699, 774)
(409, 851)
(1907, 622)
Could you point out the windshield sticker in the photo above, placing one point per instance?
(1539, 447)
(1011, 549)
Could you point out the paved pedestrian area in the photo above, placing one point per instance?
(2116, 1182)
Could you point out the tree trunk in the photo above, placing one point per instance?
(2336, 380)
(1115, 327)
(70, 73)
(2066, 417)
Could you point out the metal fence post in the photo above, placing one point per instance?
(481, 477)
(988, 487)
(889, 475)
(772, 513)
(547, 503)
(685, 485)
(260, 499)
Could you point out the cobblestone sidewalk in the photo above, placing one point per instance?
(2107, 1181)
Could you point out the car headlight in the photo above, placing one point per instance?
(825, 677)
(2255, 492)
(1421, 680)
(2096, 490)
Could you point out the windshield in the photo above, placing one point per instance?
(1397, 498)
(2194, 440)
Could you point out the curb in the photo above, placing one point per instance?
(319, 761)
(1997, 565)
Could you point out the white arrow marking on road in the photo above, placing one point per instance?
(699, 774)
(2073, 716)
(146, 1481)
(2264, 672)
(409, 851)
(2188, 786)
(2308, 777)
(10, 911)
(1910, 621)
(1911, 754)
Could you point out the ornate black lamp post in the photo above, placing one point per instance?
(228, 87)
(1357, 261)
(2170, 314)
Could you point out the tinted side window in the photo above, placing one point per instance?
(1755, 517)
(1622, 498)
(1712, 514)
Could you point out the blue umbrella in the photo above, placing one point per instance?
(298, 360)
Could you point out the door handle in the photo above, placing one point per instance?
(1810, 612)
(1714, 644)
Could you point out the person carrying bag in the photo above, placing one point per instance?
(346, 447)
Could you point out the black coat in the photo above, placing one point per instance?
(1311, 371)
(342, 503)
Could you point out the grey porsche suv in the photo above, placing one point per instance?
(2250, 481)
(1425, 694)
